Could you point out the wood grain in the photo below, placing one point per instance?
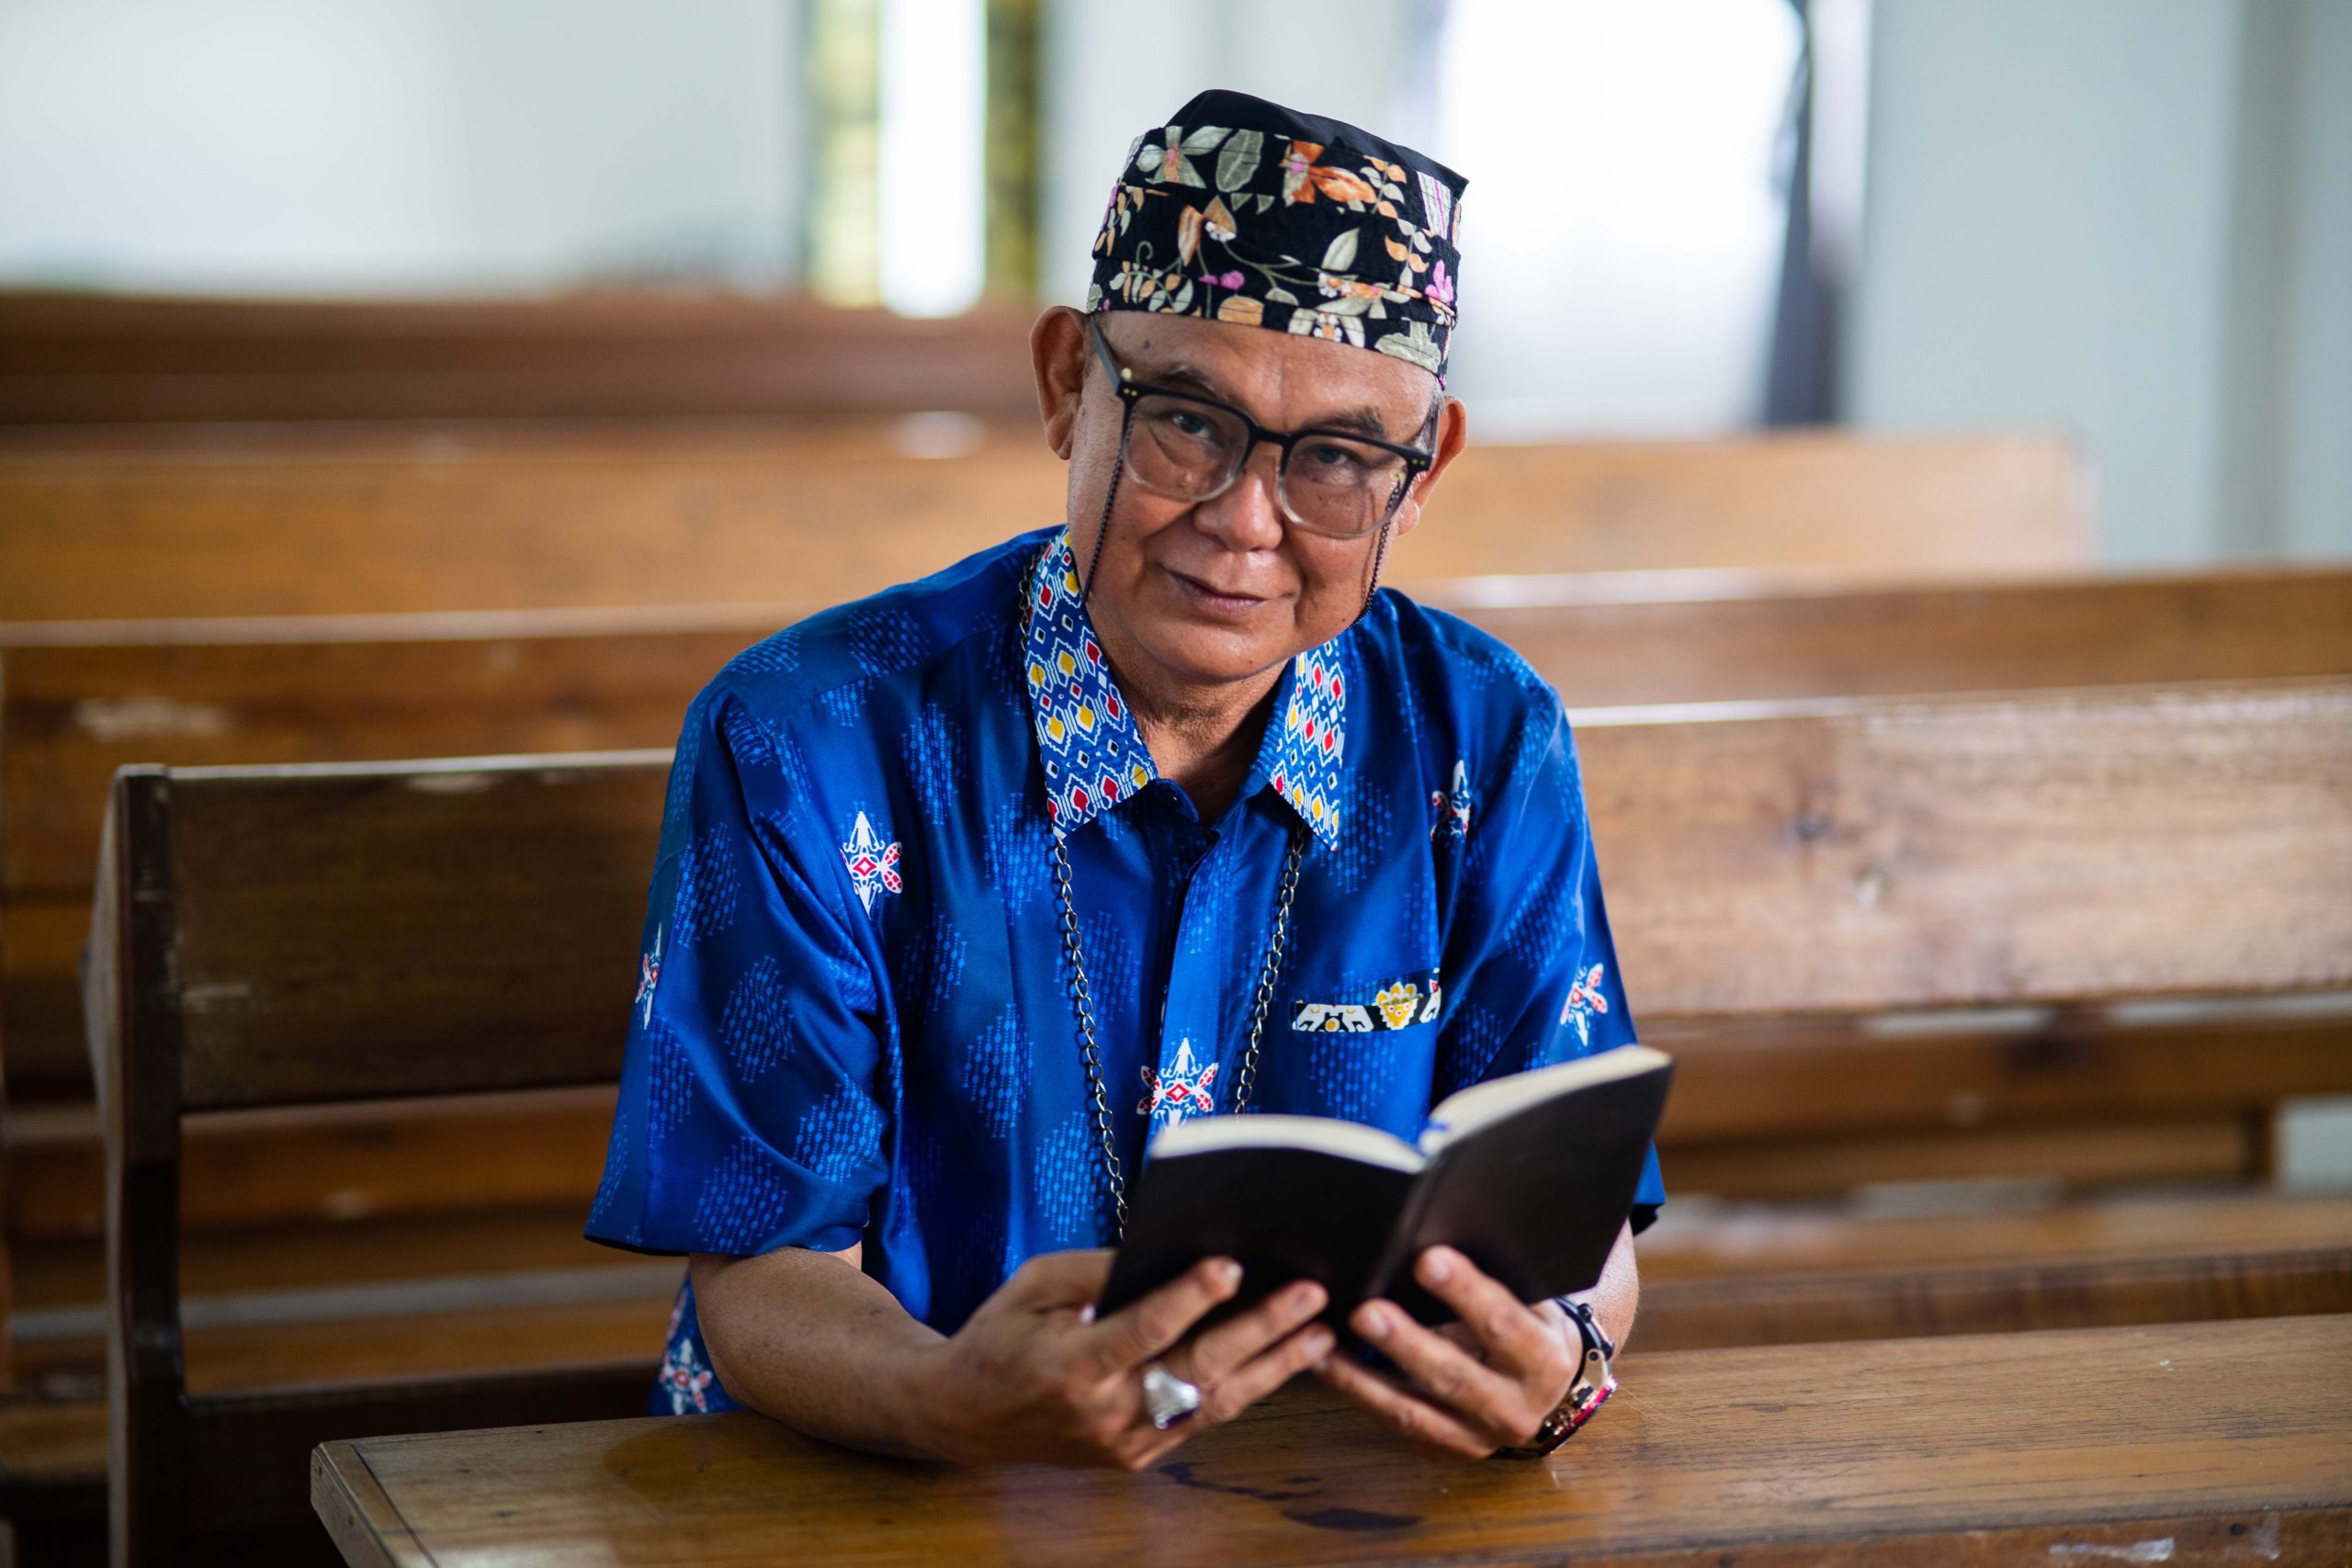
(354, 1253)
(2072, 1154)
(1830, 857)
(1834, 1104)
(1736, 1241)
(1788, 1079)
(469, 521)
(1963, 1448)
(466, 519)
(1755, 638)
(409, 1158)
(1927, 504)
(322, 956)
(1759, 1274)
(70, 714)
(90, 358)
(78, 701)
(1861, 855)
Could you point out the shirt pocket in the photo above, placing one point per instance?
(1401, 1001)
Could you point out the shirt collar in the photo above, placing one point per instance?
(1096, 757)
(1307, 739)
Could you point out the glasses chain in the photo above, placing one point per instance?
(1083, 1003)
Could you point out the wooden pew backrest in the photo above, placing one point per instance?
(98, 359)
(1840, 856)
(468, 520)
(79, 700)
(1926, 505)
(1850, 855)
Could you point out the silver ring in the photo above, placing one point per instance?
(1166, 1398)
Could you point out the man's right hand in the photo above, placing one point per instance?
(1032, 1375)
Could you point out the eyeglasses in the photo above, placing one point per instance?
(1189, 447)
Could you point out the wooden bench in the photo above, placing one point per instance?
(109, 527)
(1939, 831)
(2192, 1444)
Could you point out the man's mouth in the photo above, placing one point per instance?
(1213, 600)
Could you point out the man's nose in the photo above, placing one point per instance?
(1248, 515)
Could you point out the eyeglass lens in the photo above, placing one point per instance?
(1190, 451)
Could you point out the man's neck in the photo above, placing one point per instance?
(1203, 739)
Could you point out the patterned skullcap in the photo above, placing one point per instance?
(1243, 211)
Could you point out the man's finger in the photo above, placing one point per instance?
(1216, 1352)
(1443, 1370)
(1145, 1329)
(1247, 1384)
(1061, 1279)
(1500, 1321)
(1406, 1414)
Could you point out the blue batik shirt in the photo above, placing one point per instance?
(853, 1018)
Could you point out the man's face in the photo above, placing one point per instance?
(1221, 591)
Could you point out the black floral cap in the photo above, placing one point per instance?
(1243, 211)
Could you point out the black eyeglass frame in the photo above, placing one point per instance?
(1418, 460)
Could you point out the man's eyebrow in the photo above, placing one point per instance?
(1363, 421)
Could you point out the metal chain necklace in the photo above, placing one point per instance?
(1082, 1002)
(1081, 992)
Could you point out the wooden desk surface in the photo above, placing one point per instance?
(2179, 1444)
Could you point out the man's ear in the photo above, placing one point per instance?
(1057, 357)
(1452, 435)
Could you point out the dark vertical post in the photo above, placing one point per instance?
(135, 1033)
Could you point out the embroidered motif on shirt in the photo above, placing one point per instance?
(685, 1379)
(1584, 1000)
(649, 974)
(1452, 808)
(873, 864)
(1093, 754)
(1400, 1004)
(1183, 1092)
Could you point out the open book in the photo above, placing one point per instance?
(1530, 1175)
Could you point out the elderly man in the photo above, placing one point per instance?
(966, 888)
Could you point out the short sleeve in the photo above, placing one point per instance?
(750, 1117)
(1530, 972)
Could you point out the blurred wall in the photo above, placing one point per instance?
(396, 146)
(1622, 232)
(1114, 70)
(2132, 218)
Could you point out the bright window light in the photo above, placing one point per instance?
(1622, 234)
(931, 177)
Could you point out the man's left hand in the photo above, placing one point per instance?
(1483, 1384)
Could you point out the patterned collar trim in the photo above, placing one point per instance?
(1096, 757)
(1307, 744)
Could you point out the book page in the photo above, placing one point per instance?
(1464, 1113)
(1320, 1134)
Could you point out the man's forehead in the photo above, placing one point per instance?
(1309, 378)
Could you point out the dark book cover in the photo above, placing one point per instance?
(1530, 1175)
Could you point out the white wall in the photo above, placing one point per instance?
(2313, 507)
(1622, 232)
(412, 146)
(1113, 71)
(2132, 218)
